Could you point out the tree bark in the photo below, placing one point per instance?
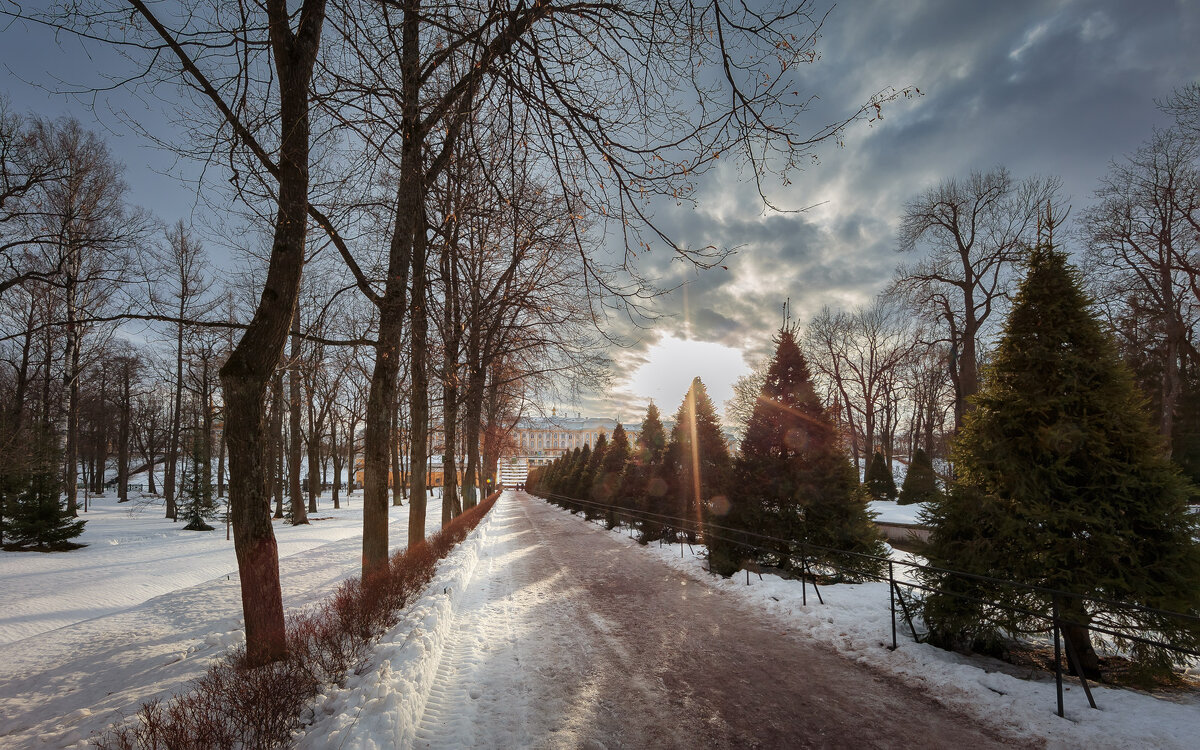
(123, 431)
(337, 462)
(401, 262)
(295, 493)
(396, 476)
(246, 374)
(176, 414)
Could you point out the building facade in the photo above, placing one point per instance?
(538, 441)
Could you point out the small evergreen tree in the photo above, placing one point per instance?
(1063, 485)
(643, 482)
(794, 480)
(608, 479)
(588, 477)
(575, 480)
(196, 501)
(37, 517)
(880, 483)
(920, 483)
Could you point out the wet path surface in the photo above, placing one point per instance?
(569, 638)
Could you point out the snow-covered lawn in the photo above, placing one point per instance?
(889, 511)
(855, 621)
(89, 634)
(134, 554)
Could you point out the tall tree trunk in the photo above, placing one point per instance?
(295, 492)
(314, 456)
(72, 382)
(176, 427)
(275, 471)
(335, 455)
(124, 429)
(396, 479)
(420, 388)
(22, 384)
(473, 424)
(408, 229)
(221, 464)
(351, 427)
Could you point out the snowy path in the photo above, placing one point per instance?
(567, 638)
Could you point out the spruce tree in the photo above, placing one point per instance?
(572, 483)
(920, 483)
(196, 501)
(584, 489)
(605, 485)
(1063, 485)
(880, 483)
(794, 481)
(37, 517)
(643, 484)
(698, 460)
(607, 482)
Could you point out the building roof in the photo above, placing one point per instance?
(608, 424)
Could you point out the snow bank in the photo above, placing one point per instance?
(381, 707)
(855, 621)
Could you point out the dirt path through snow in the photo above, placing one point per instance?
(568, 638)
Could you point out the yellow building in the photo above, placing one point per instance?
(540, 440)
(434, 477)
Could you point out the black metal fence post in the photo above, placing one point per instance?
(892, 600)
(804, 579)
(1057, 653)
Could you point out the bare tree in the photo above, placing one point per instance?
(1142, 250)
(180, 290)
(973, 231)
(87, 234)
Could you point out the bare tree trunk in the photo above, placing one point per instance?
(275, 459)
(335, 455)
(295, 494)
(396, 477)
(176, 427)
(314, 454)
(420, 388)
(381, 398)
(472, 422)
(124, 429)
(72, 382)
(221, 464)
(253, 361)
(351, 426)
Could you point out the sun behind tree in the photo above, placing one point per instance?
(698, 459)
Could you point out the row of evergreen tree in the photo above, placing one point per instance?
(789, 499)
(1061, 484)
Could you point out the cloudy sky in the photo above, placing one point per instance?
(1042, 87)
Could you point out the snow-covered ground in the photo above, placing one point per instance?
(451, 648)
(855, 621)
(89, 634)
(134, 554)
(889, 511)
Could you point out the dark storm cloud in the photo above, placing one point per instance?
(1043, 88)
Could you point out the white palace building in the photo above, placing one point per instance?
(539, 440)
